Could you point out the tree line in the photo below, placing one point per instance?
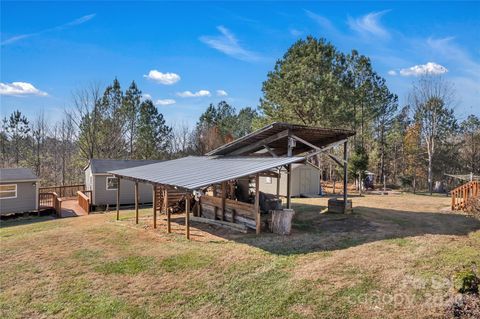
(314, 84)
(112, 124)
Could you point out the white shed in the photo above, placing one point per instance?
(305, 181)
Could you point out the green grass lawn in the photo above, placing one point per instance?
(395, 257)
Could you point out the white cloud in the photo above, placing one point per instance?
(80, 20)
(228, 44)
(72, 23)
(369, 24)
(163, 78)
(321, 20)
(429, 68)
(295, 32)
(221, 93)
(457, 55)
(392, 72)
(164, 102)
(19, 89)
(196, 94)
(147, 96)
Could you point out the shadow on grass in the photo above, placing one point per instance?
(313, 231)
(25, 219)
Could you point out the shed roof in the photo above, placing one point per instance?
(17, 175)
(100, 166)
(195, 172)
(317, 136)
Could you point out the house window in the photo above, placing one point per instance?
(8, 191)
(268, 180)
(112, 183)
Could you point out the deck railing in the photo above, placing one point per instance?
(463, 193)
(50, 200)
(64, 190)
(84, 200)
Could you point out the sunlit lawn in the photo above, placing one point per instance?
(332, 266)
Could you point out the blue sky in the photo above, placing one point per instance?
(186, 55)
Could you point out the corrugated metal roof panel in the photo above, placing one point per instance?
(195, 172)
(104, 165)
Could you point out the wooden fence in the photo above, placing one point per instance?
(50, 200)
(84, 200)
(463, 193)
(64, 190)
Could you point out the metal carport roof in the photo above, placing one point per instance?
(318, 136)
(194, 172)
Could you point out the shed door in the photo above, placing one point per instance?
(305, 181)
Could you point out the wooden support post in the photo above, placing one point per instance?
(290, 146)
(169, 224)
(154, 205)
(215, 209)
(187, 215)
(345, 175)
(257, 204)
(199, 206)
(118, 198)
(278, 182)
(289, 186)
(136, 202)
(224, 196)
(453, 200)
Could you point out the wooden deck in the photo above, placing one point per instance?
(70, 208)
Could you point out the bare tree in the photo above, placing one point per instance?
(182, 140)
(432, 99)
(86, 117)
(39, 134)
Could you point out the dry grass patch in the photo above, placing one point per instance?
(331, 266)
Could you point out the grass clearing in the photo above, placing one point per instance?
(130, 265)
(188, 261)
(335, 266)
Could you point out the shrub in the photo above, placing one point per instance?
(466, 281)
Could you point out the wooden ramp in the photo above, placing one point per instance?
(71, 208)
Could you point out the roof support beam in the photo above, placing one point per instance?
(325, 148)
(261, 143)
(301, 140)
(270, 150)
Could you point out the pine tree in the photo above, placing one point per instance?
(17, 129)
(153, 135)
(131, 108)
